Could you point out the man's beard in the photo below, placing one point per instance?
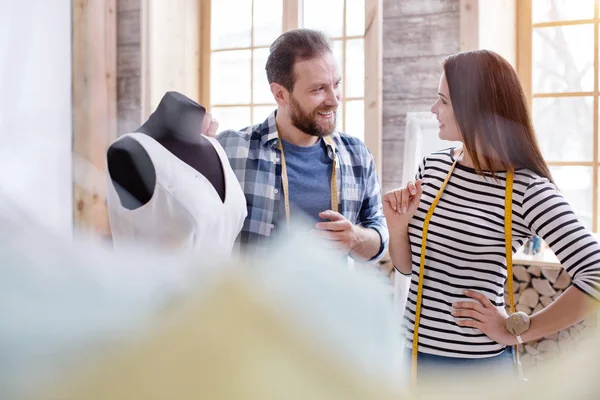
(307, 122)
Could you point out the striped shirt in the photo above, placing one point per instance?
(465, 248)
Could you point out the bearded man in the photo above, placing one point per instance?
(295, 165)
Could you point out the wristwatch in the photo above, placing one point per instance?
(517, 324)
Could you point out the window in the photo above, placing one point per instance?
(239, 45)
(558, 65)
(236, 88)
(344, 21)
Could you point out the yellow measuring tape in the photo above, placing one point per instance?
(284, 179)
(508, 249)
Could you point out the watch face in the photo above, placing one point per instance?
(517, 323)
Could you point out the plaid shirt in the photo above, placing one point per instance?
(256, 161)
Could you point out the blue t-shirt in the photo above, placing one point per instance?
(309, 180)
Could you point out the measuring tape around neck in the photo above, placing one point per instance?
(508, 250)
(284, 179)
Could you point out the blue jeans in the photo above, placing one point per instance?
(428, 363)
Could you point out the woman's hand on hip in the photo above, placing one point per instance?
(400, 205)
(483, 315)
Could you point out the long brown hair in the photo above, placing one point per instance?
(492, 114)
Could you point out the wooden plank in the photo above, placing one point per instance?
(374, 81)
(128, 60)
(251, 82)
(595, 171)
(552, 24)
(292, 14)
(564, 94)
(205, 52)
(497, 28)
(570, 163)
(128, 5)
(405, 8)
(343, 69)
(524, 46)
(129, 65)
(412, 78)
(240, 48)
(173, 47)
(128, 95)
(128, 27)
(94, 71)
(469, 24)
(190, 14)
(421, 36)
(128, 104)
(145, 102)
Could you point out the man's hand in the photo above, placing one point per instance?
(338, 233)
(209, 125)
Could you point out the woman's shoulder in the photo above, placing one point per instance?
(529, 178)
(444, 156)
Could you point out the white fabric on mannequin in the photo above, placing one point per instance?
(185, 212)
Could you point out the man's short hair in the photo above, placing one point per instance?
(291, 47)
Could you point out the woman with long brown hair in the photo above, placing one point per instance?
(454, 229)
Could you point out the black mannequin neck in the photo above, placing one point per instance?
(177, 117)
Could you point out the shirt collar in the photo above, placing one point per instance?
(270, 137)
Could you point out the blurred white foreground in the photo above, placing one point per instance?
(66, 306)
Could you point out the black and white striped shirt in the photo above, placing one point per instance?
(465, 248)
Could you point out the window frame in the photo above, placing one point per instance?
(292, 18)
(525, 27)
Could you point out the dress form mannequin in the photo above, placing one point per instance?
(170, 187)
(176, 125)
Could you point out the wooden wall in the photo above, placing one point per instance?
(172, 58)
(129, 65)
(417, 35)
(94, 66)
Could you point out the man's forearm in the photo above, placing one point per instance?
(368, 246)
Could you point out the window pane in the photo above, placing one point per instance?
(261, 113)
(338, 51)
(563, 59)
(262, 92)
(230, 29)
(355, 68)
(339, 118)
(355, 18)
(557, 10)
(231, 117)
(355, 118)
(268, 17)
(575, 183)
(230, 77)
(564, 127)
(326, 16)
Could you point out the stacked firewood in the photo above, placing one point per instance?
(534, 289)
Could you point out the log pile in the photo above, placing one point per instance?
(534, 289)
